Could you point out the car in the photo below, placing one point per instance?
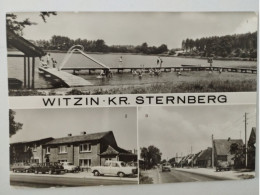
(70, 167)
(48, 168)
(118, 168)
(223, 165)
(21, 167)
(166, 167)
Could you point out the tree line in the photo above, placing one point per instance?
(237, 45)
(63, 43)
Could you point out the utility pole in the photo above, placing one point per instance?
(191, 157)
(212, 157)
(246, 137)
(181, 160)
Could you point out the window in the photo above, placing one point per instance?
(63, 149)
(48, 151)
(113, 164)
(85, 162)
(85, 148)
(34, 147)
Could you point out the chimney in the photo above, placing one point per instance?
(69, 135)
(83, 133)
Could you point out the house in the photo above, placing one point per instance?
(222, 150)
(251, 149)
(83, 150)
(29, 151)
(86, 150)
(204, 158)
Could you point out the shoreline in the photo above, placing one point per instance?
(162, 55)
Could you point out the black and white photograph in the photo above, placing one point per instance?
(95, 53)
(73, 147)
(196, 143)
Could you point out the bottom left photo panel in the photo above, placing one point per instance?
(73, 147)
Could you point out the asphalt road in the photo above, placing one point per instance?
(181, 176)
(49, 181)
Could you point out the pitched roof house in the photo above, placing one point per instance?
(222, 150)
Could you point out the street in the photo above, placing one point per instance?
(181, 176)
(174, 176)
(41, 181)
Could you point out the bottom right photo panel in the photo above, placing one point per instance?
(196, 143)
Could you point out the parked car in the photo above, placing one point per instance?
(166, 167)
(48, 168)
(223, 165)
(70, 167)
(118, 168)
(22, 167)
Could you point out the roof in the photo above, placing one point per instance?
(79, 138)
(115, 151)
(23, 45)
(30, 142)
(222, 146)
(252, 137)
(205, 154)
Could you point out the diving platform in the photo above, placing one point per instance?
(66, 78)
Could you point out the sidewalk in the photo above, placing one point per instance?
(85, 175)
(234, 175)
(154, 174)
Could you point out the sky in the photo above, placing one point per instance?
(43, 123)
(185, 128)
(135, 28)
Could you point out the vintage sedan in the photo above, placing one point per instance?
(48, 168)
(117, 168)
(22, 167)
(70, 167)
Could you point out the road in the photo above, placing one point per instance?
(42, 181)
(181, 176)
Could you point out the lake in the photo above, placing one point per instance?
(15, 67)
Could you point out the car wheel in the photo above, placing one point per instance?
(66, 171)
(26, 171)
(50, 172)
(14, 170)
(36, 172)
(96, 173)
(121, 174)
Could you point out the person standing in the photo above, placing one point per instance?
(48, 59)
(161, 61)
(121, 62)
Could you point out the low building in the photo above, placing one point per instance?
(204, 158)
(84, 150)
(222, 150)
(29, 151)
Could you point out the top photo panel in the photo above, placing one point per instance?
(95, 53)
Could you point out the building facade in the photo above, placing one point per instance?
(84, 150)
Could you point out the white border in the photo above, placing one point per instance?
(232, 187)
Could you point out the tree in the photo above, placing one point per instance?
(238, 151)
(18, 26)
(151, 156)
(13, 126)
